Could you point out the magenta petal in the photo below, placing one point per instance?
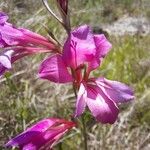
(79, 47)
(3, 18)
(29, 146)
(81, 101)
(116, 91)
(54, 69)
(5, 58)
(10, 34)
(23, 139)
(2, 42)
(102, 108)
(5, 61)
(102, 45)
(102, 48)
(94, 63)
(31, 34)
(31, 133)
(35, 39)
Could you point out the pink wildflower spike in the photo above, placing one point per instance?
(54, 69)
(43, 135)
(82, 47)
(102, 96)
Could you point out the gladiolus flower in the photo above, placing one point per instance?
(102, 97)
(12, 36)
(81, 48)
(22, 42)
(43, 135)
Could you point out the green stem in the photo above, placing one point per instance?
(82, 117)
(60, 146)
(84, 133)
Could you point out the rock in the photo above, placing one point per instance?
(129, 25)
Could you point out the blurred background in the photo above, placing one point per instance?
(24, 99)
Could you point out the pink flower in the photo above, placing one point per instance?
(12, 36)
(83, 47)
(102, 97)
(43, 135)
(22, 42)
(84, 52)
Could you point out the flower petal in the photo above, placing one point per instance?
(5, 58)
(94, 63)
(102, 45)
(54, 70)
(79, 47)
(81, 101)
(102, 108)
(116, 91)
(102, 48)
(2, 42)
(29, 146)
(10, 34)
(33, 35)
(3, 18)
(31, 133)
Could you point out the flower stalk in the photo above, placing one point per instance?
(51, 12)
(64, 21)
(84, 132)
